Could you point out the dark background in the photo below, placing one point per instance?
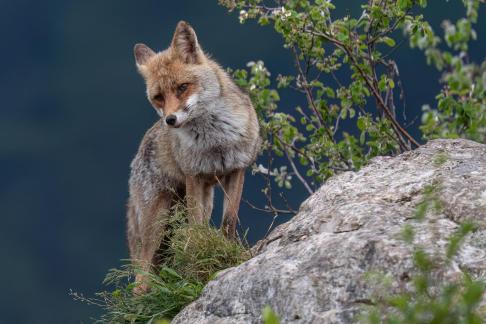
(73, 111)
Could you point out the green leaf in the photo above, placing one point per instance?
(269, 316)
(263, 20)
(361, 123)
(388, 41)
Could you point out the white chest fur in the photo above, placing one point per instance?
(214, 143)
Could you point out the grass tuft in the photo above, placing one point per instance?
(194, 254)
(199, 251)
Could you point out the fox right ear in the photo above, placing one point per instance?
(186, 45)
(142, 54)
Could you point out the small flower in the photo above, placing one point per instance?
(282, 13)
(260, 169)
(243, 16)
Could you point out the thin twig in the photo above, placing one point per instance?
(267, 209)
(297, 173)
(306, 87)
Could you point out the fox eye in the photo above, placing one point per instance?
(181, 88)
(159, 98)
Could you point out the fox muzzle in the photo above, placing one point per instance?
(171, 120)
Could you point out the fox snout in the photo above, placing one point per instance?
(171, 120)
(177, 111)
(177, 118)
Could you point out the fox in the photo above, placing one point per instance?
(207, 134)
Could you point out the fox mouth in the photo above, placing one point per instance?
(177, 125)
(177, 119)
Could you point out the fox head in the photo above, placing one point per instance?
(179, 79)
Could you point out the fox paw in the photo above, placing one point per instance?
(141, 287)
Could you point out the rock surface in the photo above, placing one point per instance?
(313, 268)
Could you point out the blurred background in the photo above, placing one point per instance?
(72, 113)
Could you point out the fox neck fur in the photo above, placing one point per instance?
(219, 140)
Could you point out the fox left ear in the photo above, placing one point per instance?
(142, 54)
(186, 45)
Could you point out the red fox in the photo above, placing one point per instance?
(208, 134)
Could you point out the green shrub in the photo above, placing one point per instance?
(346, 74)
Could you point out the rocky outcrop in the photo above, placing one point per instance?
(313, 268)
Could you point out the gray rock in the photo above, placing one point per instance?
(313, 268)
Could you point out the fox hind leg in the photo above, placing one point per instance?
(133, 232)
(151, 229)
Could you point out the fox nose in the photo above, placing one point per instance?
(171, 120)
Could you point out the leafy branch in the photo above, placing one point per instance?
(346, 77)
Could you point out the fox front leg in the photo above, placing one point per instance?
(233, 187)
(199, 197)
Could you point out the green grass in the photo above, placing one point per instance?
(198, 252)
(194, 255)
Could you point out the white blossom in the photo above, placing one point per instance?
(243, 16)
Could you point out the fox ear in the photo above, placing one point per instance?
(185, 44)
(142, 54)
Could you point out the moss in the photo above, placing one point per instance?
(440, 159)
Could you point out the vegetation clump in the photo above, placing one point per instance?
(351, 101)
(193, 254)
